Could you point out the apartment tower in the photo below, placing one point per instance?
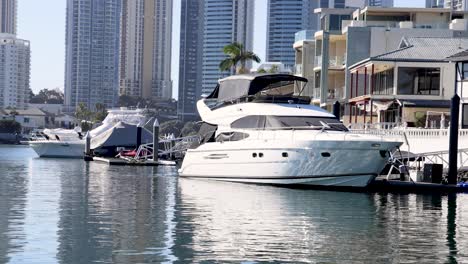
(14, 72)
(191, 41)
(286, 17)
(16, 58)
(225, 21)
(92, 52)
(145, 53)
(8, 9)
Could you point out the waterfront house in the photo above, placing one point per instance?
(410, 86)
(29, 119)
(349, 36)
(461, 65)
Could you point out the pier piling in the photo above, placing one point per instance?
(453, 141)
(155, 139)
(336, 109)
(138, 141)
(88, 144)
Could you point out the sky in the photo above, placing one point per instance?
(44, 26)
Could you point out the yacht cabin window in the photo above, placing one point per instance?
(288, 122)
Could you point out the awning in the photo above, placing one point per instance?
(425, 103)
(376, 104)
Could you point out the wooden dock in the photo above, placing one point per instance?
(123, 162)
(383, 185)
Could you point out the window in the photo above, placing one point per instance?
(288, 122)
(419, 81)
(464, 115)
(317, 79)
(26, 120)
(465, 70)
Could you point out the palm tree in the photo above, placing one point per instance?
(237, 54)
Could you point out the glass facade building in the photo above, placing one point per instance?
(8, 10)
(145, 48)
(191, 41)
(225, 21)
(92, 52)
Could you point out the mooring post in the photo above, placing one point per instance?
(138, 141)
(88, 144)
(336, 109)
(453, 141)
(155, 139)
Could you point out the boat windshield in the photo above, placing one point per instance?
(269, 122)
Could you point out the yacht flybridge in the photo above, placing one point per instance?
(258, 129)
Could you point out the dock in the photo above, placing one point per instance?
(384, 185)
(125, 162)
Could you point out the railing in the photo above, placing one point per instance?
(392, 24)
(316, 93)
(304, 35)
(337, 61)
(337, 93)
(318, 61)
(297, 69)
(171, 147)
(382, 125)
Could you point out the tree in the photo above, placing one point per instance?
(190, 129)
(273, 69)
(237, 55)
(171, 127)
(100, 113)
(46, 96)
(9, 126)
(261, 70)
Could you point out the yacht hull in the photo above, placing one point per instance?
(320, 163)
(57, 149)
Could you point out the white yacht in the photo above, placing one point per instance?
(256, 131)
(58, 143)
(114, 131)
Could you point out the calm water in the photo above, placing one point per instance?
(69, 211)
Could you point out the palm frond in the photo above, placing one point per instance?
(226, 64)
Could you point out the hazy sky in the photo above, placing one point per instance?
(43, 23)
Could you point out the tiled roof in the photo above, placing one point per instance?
(28, 112)
(426, 49)
(461, 56)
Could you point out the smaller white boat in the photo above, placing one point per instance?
(58, 143)
(117, 130)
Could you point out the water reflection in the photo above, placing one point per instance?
(116, 215)
(69, 211)
(13, 190)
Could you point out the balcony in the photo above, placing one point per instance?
(297, 69)
(335, 94)
(392, 24)
(304, 35)
(316, 93)
(334, 61)
(318, 61)
(337, 61)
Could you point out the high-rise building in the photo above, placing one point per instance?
(286, 17)
(191, 41)
(8, 9)
(458, 5)
(92, 52)
(145, 55)
(14, 72)
(225, 22)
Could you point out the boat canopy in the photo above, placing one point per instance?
(238, 86)
(120, 135)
